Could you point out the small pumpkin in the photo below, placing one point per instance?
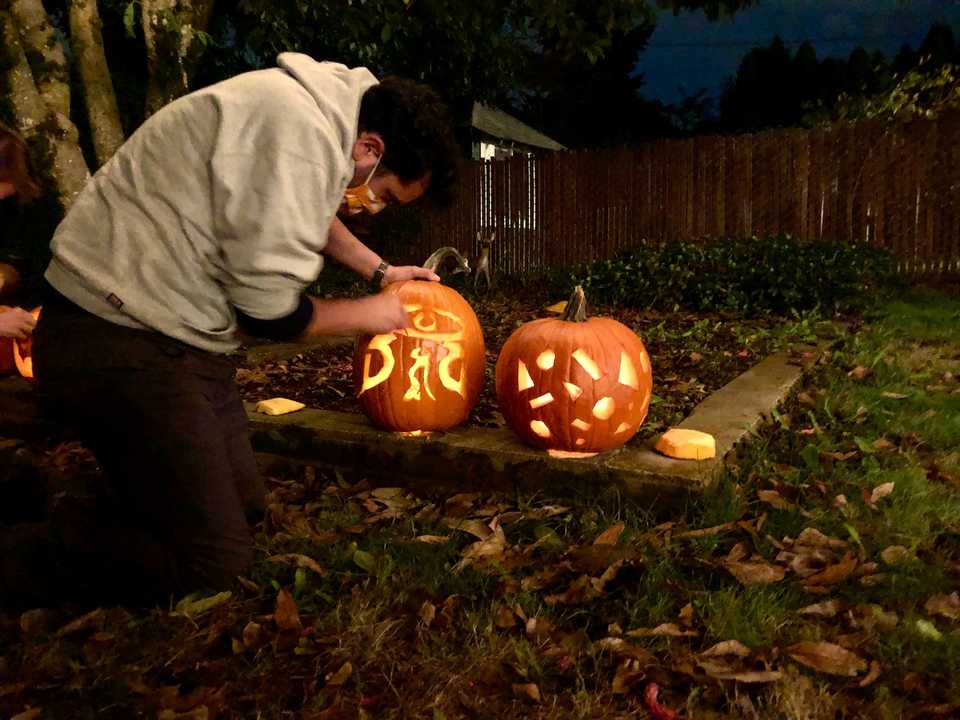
(23, 351)
(427, 377)
(574, 385)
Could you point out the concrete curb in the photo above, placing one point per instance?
(475, 459)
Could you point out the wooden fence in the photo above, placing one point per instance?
(895, 187)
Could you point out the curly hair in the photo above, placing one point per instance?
(417, 130)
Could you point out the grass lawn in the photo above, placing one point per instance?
(818, 579)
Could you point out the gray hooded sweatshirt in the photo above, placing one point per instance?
(221, 200)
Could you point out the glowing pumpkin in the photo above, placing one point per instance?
(23, 352)
(574, 386)
(426, 377)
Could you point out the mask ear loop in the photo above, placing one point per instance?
(375, 166)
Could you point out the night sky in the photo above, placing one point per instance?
(689, 52)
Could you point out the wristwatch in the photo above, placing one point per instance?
(378, 277)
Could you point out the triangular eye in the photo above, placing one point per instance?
(628, 373)
(587, 363)
(574, 391)
(524, 381)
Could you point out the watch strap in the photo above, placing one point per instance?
(377, 277)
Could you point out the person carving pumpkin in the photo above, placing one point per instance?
(212, 219)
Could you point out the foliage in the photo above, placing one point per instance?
(777, 274)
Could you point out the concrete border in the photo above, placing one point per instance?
(472, 459)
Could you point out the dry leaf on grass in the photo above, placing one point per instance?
(611, 535)
(341, 676)
(827, 609)
(836, 573)
(286, 614)
(894, 554)
(297, 560)
(621, 648)
(530, 691)
(505, 618)
(727, 647)
(253, 636)
(775, 499)
(828, 658)
(756, 571)
(880, 492)
(484, 550)
(664, 630)
(947, 606)
(871, 676)
(428, 611)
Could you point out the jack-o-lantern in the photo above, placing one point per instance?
(23, 351)
(574, 386)
(7, 365)
(426, 377)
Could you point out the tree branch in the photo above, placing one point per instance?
(86, 40)
(45, 54)
(50, 136)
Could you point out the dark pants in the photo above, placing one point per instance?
(167, 426)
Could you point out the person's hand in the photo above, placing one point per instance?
(408, 272)
(380, 314)
(16, 323)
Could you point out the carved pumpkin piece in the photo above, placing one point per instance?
(573, 385)
(426, 377)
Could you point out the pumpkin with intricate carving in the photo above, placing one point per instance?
(574, 385)
(428, 376)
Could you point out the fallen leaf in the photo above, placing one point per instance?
(872, 675)
(340, 677)
(772, 497)
(428, 611)
(530, 691)
(721, 670)
(947, 606)
(811, 537)
(664, 630)
(755, 572)
(253, 636)
(191, 608)
(836, 573)
(93, 619)
(894, 554)
(658, 711)
(696, 358)
(611, 535)
(727, 647)
(827, 609)
(491, 548)
(285, 614)
(620, 647)
(686, 615)
(297, 560)
(827, 658)
(879, 492)
(928, 630)
(477, 528)
(894, 395)
(432, 539)
(858, 373)
(505, 618)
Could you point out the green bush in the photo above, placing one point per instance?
(774, 274)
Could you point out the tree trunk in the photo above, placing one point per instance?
(45, 55)
(173, 51)
(51, 137)
(86, 41)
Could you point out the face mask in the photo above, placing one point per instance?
(362, 198)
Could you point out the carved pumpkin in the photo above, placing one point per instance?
(574, 386)
(23, 352)
(427, 377)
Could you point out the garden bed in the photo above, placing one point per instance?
(693, 354)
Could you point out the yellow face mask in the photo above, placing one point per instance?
(362, 198)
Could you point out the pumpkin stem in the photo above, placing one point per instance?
(576, 310)
(436, 260)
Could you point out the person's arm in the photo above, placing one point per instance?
(344, 247)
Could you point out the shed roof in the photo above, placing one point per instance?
(501, 125)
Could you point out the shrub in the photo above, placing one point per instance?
(774, 274)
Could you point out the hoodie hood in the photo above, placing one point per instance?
(336, 89)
